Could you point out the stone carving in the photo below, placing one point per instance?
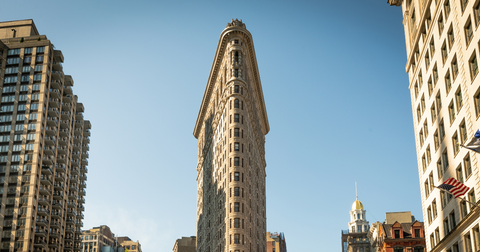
(236, 22)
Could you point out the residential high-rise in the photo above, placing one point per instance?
(442, 42)
(231, 128)
(43, 145)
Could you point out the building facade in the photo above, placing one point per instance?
(276, 242)
(442, 42)
(399, 233)
(186, 244)
(93, 240)
(355, 238)
(231, 128)
(129, 245)
(43, 145)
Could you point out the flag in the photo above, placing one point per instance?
(474, 143)
(454, 187)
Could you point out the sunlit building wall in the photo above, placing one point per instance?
(442, 44)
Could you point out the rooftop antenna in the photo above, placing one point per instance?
(356, 193)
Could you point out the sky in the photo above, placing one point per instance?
(335, 88)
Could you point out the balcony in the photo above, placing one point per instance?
(45, 180)
(81, 199)
(79, 224)
(86, 132)
(75, 163)
(62, 150)
(53, 112)
(75, 172)
(83, 177)
(66, 106)
(55, 84)
(44, 201)
(40, 232)
(43, 211)
(72, 196)
(79, 116)
(67, 99)
(47, 160)
(80, 215)
(56, 215)
(59, 177)
(52, 121)
(54, 93)
(64, 133)
(85, 147)
(57, 204)
(44, 190)
(57, 75)
(47, 170)
(86, 140)
(68, 90)
(61, 159)
(60, 167)
(78, 124)
(58, 195)
(50, 140)
(70, 221)
(84, 161)
(54, 224)
(53, 103)
(83, 169)
(76, 154)
(66, 115)
(64, 124)
(58, 186)
(83, 185)
(68, 80)
(51, 131)
(80, 207)
(69, 230)
(53, 245)
(42, 222)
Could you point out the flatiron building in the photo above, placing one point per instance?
(231, 128)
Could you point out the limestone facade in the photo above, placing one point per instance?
(231, 128)
(442, 41)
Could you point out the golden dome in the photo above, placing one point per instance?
(357, 205)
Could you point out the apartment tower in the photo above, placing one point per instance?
(43, 145)
(442, 41)
(231, 128)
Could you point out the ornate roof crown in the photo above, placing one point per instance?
(236, 22)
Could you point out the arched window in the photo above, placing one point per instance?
(237, 103)
(398, 249)
(418, 249)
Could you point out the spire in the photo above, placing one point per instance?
(356, 193)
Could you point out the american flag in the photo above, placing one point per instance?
(454, 187)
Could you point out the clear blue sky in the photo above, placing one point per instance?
(336, 91)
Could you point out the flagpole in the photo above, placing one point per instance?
(464, 199)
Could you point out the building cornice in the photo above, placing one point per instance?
(216, 65)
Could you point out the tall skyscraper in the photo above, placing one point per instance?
(442, 42)
(43, 145)
(231, 128)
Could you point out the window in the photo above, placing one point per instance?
(236, 146)
(464, 4)
(468, 32)
(236, 207)
(236, 103)
(434, 209)
(433, 113)
(236, 191)
(463, 132)
(37, 77)
(11, 70)
(451, 38)
(10, 79)
(397, 249)
(13, 52)
(441, 25)
(427, 189)
(236, 132)
(473, 66)
(40, 49)
(422, 104)
(439, 169)
(38, 68)
(429, 157)
(476, 11)
(468, 166)
(432, 48)
(455, 143)
(438, 102)
(417, 233)
(471, 197)
(430, 87)
(463, 208)
(28, 50)
(448, 82)
(418, 249)
(236, 118)
(397, 233)
(454, 68)
(236, 89)
(444, 53)
(445, 159)
(459, 99)
(416, 90)
(437, 235)
(236, 176)
(451, 112)
(468, 242)
(427, 60)
(453, 222)
(446, 6)
(236, 222)
(421, 137)
(236, 161)
(13, 60)
(459, 173)
(476, 238)
(476, 97)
